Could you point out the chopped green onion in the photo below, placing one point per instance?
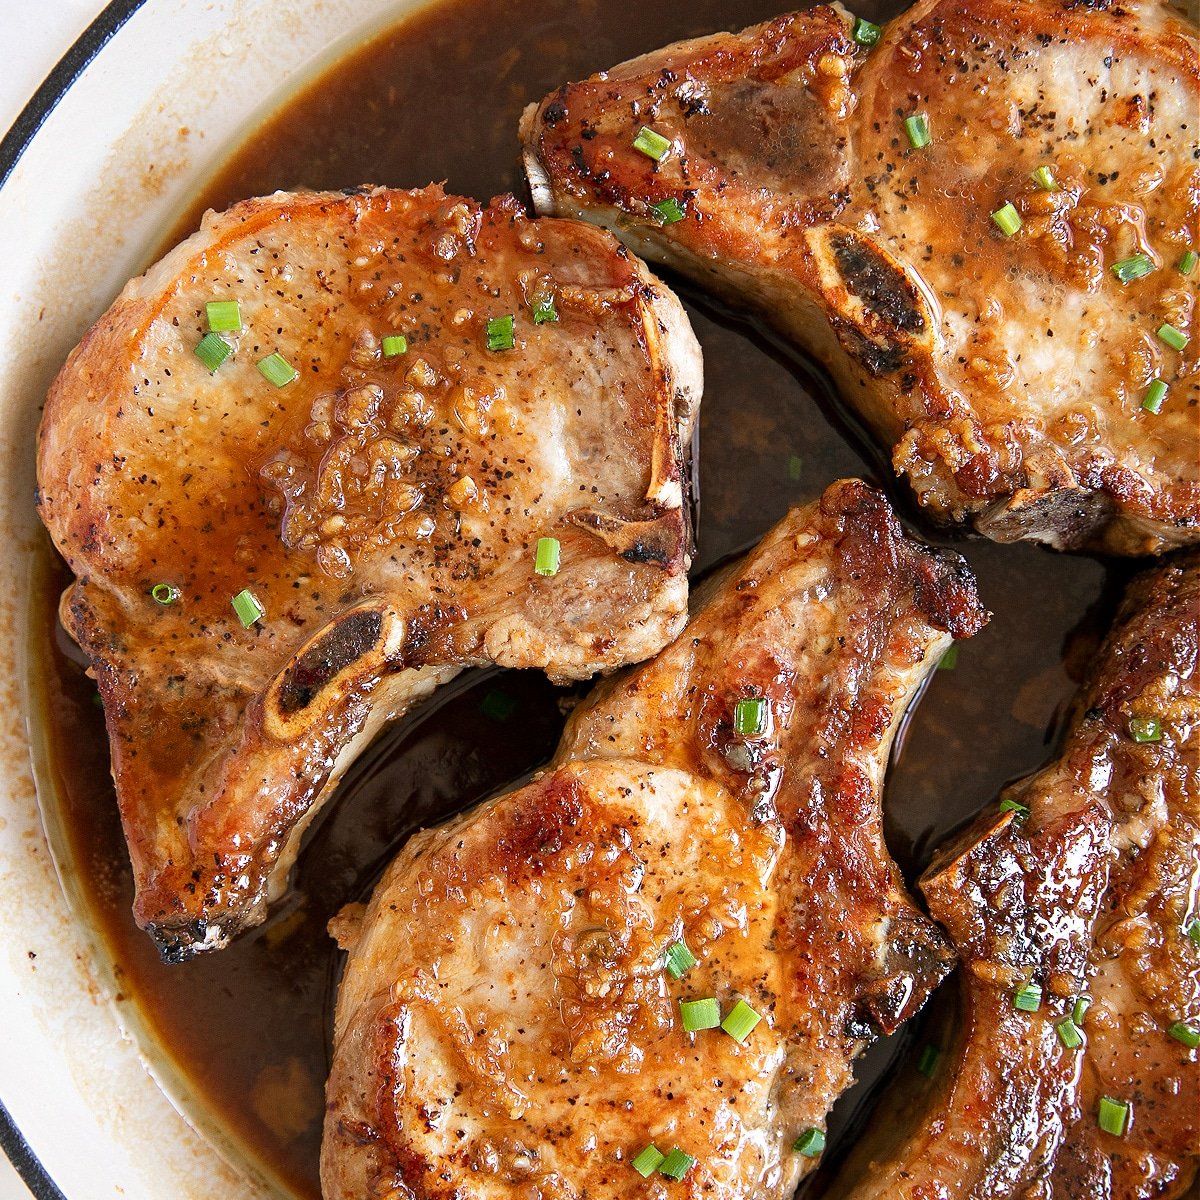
(498, 706)
(1007, 219)
(1028, 997)
(649, 1161)
(810, 1143)
(651, 144)
(277, 370)
(1079, 1011)
(500, 333)
(795, 468)
(927, 1063)
(1187, 262)
(1113, 1116)
(865, 33)
(917, 128)
(1019, 810)
(750, 717)
(394, 345)
(740, 1021)
(1134, 267)
(1155, 395)
(164, 593)
(680, 960)
(1192, 931)
(546, 557)
(1172, 336)
(1068, 1033)
(1145, 729)
(1181, 1031)
(544, 311)
(212, 350)
(247, 607)
(677, 1164)
(700, 1014)
(949, 660)
(224, 316)
(1044, 178)
(668, 211)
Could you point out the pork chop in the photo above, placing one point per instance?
(509, 1023)
(1084, 883)
(984, 225)
(417, 392)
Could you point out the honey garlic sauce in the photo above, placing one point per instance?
(249, 1025)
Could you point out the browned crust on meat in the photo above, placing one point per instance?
(803, 200)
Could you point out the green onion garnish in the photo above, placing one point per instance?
(1145, 729)
(700, 1014)
(740, 1021)
(1068, 1033)
(247, 607)
(1156, 393)
(1028, 997)
(677, 1164)
(1007, 219)
(544, 311)
(1181, 1031)
(1187, 262)
(750, 716)
(212, 350)
(928, 1061)
(949, 660)
(651, 144)
(395, 344)
(1172, 336)
(546, 557)
(810, 1143)
(1134, 267)
(1079, 1011)
(1019, 810)
(500, 333)
(1044, 178)
(1192, 931)
(498, 706)
(224, 316)
(649, 1161)
(1113, 1116)
(164, 593)
(680, 960)
(865, 33)
(795, 468)
(917, 128)
(668, 211)
(277, 370)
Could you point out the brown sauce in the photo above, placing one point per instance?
(438, 99)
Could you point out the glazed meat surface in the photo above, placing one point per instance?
(1005, 370)
(382, 507)
(1085, 884)
(506, 1026)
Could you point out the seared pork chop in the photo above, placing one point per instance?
(508, 1024)
(978, 225)
(451, 385)
(1083, 884)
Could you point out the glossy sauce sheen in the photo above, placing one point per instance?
(439, 99)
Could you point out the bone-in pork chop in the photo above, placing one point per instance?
(985, 225)
(1083, 884)
(415, 392)
(510, 1021)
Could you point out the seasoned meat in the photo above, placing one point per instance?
(506, 1025)
(1006, 371)
(1085, 883)
(382, 508)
